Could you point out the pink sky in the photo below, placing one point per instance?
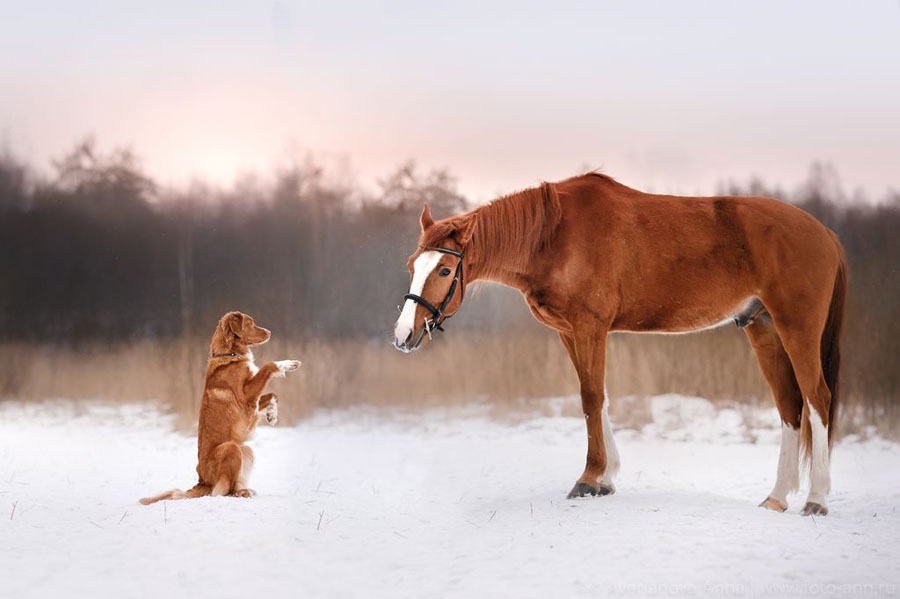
(664, 96)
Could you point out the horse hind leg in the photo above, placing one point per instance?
(776, 368)
(802, 345)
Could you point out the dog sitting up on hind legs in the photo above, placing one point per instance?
(233, 403)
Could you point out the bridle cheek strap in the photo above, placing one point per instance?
(437, 314)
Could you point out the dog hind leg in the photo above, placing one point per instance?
(228, 461)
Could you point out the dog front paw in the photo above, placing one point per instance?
(287, 366)
(271, 412)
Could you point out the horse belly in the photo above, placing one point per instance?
(678, 317)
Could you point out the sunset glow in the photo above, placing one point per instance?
(664, 98)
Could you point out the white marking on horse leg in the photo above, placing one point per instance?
(422, 267)
(788, 479)
(819, 471)
(609, 444)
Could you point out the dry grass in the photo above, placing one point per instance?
(507, 372)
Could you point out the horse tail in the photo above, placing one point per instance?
(831, 340)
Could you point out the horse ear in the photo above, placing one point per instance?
(425, 220)
(465, 230)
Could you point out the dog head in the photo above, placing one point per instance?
(236, 333)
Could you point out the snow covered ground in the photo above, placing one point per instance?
(432, 506)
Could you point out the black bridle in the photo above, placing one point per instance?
(437, 314)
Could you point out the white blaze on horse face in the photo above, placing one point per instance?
(422, 269)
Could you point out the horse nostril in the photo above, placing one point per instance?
(404, 346)
(408, 339)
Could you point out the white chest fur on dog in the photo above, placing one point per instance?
(251, 364)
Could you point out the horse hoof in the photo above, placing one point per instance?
(814, 509)
(584, 489)
(773, 504)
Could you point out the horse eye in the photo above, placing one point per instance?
(444, 272)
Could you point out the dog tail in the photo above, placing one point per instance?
(197, 490)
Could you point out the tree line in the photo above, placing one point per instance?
(99, 251)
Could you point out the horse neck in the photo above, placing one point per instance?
(484, 266)
(508, 234)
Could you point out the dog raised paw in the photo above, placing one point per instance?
(287, 366)
(271, 412)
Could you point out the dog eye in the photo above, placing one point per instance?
(444, 272)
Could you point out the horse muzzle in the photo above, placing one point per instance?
(412, 341)
(406, 345)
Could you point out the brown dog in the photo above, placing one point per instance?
(232, 405)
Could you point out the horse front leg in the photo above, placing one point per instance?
(588, 354)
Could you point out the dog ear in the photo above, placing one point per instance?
(236, 324)
(223, 338)
(425, 220)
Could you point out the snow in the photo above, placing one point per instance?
(424, 505)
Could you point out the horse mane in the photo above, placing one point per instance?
(507, 231)
(596, 173)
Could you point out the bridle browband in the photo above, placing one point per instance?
(437, 314)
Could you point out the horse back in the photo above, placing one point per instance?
(671, 263)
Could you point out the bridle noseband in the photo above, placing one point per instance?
(437, 314)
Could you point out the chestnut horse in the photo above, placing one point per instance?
(592, 256)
